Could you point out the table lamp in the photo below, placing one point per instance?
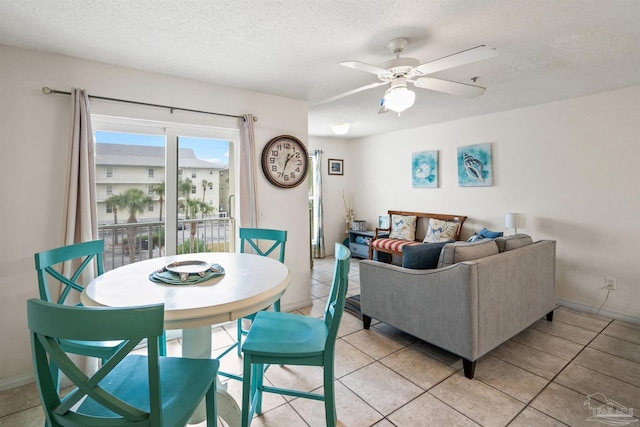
(515, 221)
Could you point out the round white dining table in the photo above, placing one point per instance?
(250, 284)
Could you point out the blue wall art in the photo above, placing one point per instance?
(424, 169)
(475, 168)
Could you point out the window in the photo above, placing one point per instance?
(176, 152)
(109, 172)
(210, 185)
(193, 175)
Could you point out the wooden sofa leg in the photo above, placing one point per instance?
(469, 368)
(366, 321)
(550, 316)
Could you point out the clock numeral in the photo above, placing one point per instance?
(272, 159)
(274, 153)
(274, 168)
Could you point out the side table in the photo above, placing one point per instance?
(359, 242)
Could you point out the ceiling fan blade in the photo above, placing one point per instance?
(351, 92)
(357, 65)
(468, 56)
(453, 88)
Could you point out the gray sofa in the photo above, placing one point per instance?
(480, 295)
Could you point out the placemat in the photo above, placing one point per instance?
(164, 276)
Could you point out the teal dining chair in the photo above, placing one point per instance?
(80, 255)
(253, 237)
(294, 339)
(128, 389)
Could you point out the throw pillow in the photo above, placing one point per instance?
(513, 242)
(441, 231)
(453, 253)
(422, 257)
(488, 234)
(484, 234)
(403, 227)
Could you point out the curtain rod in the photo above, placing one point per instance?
(48, 91)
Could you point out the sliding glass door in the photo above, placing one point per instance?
(163, 188)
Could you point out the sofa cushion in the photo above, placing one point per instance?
(403, 227)
(441, 231)
(513, 242)
(456, 252)
(422, 257)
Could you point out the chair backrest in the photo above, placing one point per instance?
(338, 295)
(253, 236)
(50, 263)
(48, 323)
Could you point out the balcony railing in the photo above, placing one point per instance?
(129, 243)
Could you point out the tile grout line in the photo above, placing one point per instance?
(557, 374)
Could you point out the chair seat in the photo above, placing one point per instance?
(285, 334)
(187, 378)
(394, 245)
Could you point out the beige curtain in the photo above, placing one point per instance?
(81, 223)
(318, 221)
(248, 206)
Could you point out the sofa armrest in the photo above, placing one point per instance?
(438, 306)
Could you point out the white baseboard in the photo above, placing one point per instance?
(594, 310)
(16, 381)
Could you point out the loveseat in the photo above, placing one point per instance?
(480, 295)
(412, 228)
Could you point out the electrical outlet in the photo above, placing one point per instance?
(610, 283)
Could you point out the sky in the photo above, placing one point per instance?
(213, 150)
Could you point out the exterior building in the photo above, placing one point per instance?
(122, 166)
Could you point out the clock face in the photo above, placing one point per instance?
(285, 161)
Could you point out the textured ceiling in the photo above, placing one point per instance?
(548, 50)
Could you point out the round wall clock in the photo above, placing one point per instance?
(285, 161)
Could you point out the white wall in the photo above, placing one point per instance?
(570, 166)
(33, 161)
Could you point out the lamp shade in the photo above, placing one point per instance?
(340, 128)
(515, 220)
(399, 99)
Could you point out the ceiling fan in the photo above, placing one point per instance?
(400, 71)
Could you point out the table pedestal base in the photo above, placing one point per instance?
(196, 344)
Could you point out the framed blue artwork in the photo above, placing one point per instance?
(475, 167)
(424, 169)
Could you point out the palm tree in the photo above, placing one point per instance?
(193, 206)
(115, 201)
(158, 189)
(205, 209)
(135, 201)
(184, 190)
(205, 185)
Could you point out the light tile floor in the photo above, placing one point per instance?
(541, 377)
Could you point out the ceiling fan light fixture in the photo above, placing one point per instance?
(340, 128)
(399, 99)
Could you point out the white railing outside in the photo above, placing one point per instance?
(129, 243)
